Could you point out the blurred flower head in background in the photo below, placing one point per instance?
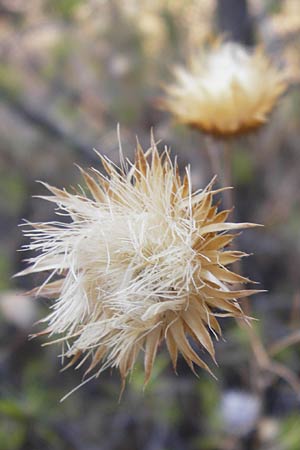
(226, 91)
(141, 261)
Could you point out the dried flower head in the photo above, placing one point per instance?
(140, 262)
(228, 91)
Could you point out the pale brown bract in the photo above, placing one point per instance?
(142, 261)
(226, 91)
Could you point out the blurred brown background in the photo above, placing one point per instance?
(70, 70)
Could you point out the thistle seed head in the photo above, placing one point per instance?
(227, 91)
(141, 261)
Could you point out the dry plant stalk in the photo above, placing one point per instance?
(227, 91)
(142, 261)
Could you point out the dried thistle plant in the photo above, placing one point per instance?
(228, 91)
(141, 261)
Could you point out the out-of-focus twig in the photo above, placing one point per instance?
(265, 363)
(295, 311)
(48, 124)
(285, 342)
(235, 20)
(212, 152)
(10, 12)
(219, 157)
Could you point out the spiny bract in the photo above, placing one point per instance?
(226, 91)
(141, 261)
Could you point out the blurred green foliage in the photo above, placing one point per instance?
(10, 82)
(5, 271)
(242, 167)
(64, 9)
(289, 435)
